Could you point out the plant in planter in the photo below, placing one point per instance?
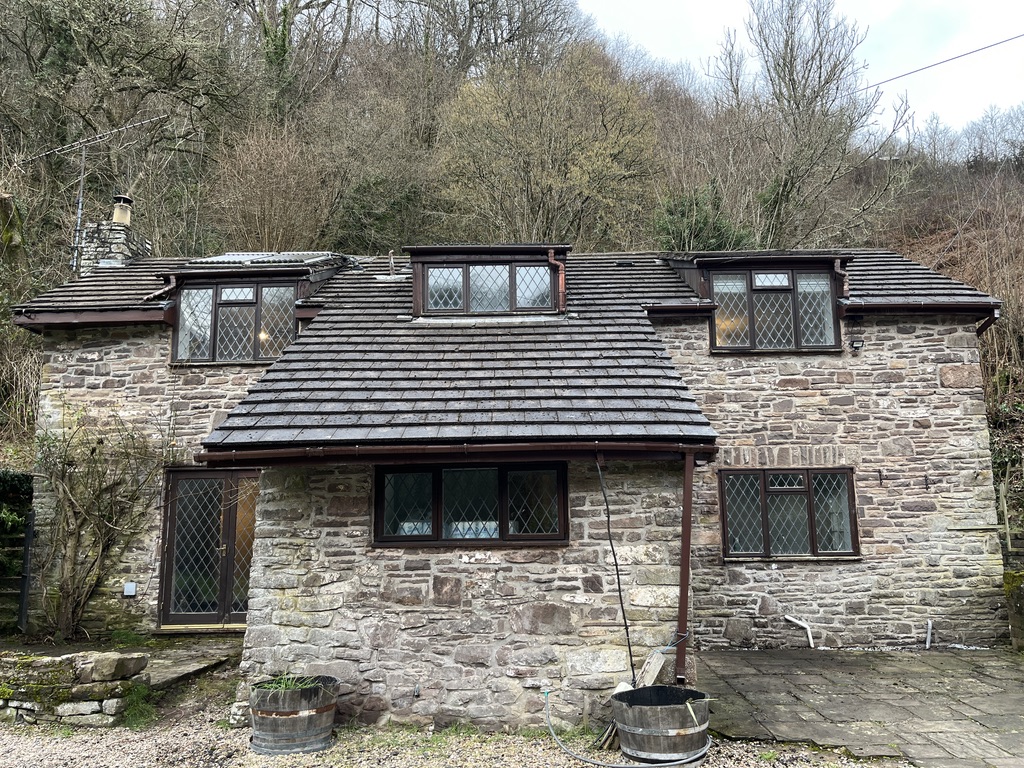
(293, 713)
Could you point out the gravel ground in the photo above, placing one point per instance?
(191, 732)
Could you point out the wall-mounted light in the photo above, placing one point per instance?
(856, 344)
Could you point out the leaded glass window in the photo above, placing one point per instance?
(533, 287)
(471, 504)
(773, 310)
(211, 524)
(814, 306)
(488, 288)
(732, 318)
(444, 288)
(793, 512)
(234, 322)
(491, 288)
(195, 318)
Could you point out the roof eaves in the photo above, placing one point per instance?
(397, 452)
(36, 319)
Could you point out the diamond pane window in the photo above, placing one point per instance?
(533, 287)
(408, 504)
(814, 306)
(832, 513)
(238, 293)
(471, 504)
(787, 524)
(533, 502)
(771, 279)
(245, 534)
(778, 481)
(444, 288)
(235, 330)
(489, 288)
(196, 575)
(237, 322)
(277, 319)
(732, 324)
(211, 531)
(773, 320)
(743, 507)
(195, 318)
(804, 513)
(778, 309)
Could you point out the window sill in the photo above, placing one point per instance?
(470, 544)
(473, 319)
(830, 558)
(221, 363)
(792, 351)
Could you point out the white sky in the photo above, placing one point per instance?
(902, 35)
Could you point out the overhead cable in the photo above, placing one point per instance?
(944, 61)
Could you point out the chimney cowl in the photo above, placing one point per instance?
(122, 210)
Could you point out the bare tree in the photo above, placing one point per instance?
(270, 191)
(810, 119)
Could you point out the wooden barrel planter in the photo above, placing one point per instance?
(662, 724)
(293, 714)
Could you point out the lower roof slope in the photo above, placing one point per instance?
(366, 373)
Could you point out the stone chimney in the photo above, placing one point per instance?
(112, 243)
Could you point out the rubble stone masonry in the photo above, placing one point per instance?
(907, 414)
(438, 635)
(127, 371)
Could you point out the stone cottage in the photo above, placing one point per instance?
(484, 471)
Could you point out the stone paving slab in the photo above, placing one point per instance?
(936, 708)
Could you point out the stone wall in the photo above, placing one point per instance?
(100, 373)
(442, 635)
(907, 414)
(75, 689)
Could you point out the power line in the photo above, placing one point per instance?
(944, 61)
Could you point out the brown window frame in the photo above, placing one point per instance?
(748, 273)
(504, 538)
(422, 300)
(807, 491)
(216, 288)
(230, 481)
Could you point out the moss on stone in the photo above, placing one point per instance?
(1013, 583)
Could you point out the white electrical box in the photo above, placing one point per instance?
(129, 588)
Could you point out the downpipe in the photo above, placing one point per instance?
(805, 625)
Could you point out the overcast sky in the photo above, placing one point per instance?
(902, 35)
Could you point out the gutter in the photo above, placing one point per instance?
(428, 452)
(979, 308)
(36, 321)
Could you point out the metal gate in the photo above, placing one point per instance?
(208, 547)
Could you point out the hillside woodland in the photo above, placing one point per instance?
(360, 126)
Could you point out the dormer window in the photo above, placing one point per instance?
(490, 288)
(234, 321)
(492, 280)
(774, 309)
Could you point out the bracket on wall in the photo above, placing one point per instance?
(880, 478)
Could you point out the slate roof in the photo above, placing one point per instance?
(140, 291)
(367, 373)
(879, 281)
(885, 281)
(105, 288)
